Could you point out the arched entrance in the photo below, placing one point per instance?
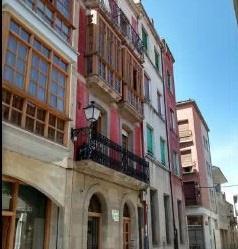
(94, 223)
(25, 216)
(126, 227)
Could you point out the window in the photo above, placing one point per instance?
(157, 61)
(25, 224)
(183, 125)
(167, 218)
(43, 10)
(169, 82)
(145, 39)
(53, 15)
(179, 206)
(159, 103)
(125, 139)
(149, 140)
(135, 79)
(162, 151)
(63, 6)
(209, 170)
(33, 118)
(186, 158)
(42, 66)
(175, 163)
(147, 87)
(172, 120)
(16, 61)
(154, 216)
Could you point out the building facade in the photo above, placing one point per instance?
(225, 211)
(180, 227)
(69, 183)
(197, 176)
(110, 173)
(39, 58)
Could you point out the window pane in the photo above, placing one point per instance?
(52, 120)
(60, 105)
(6, 96)
(24, 35)
(41, 93)
(12, 43)
(41, 114)
(19, 80)
(42, 80)
(31, 108)
(54, 88)
(8, 74)
(29, 124)
(60, 137)
(60, 124)
(20, 66)
(11, 59)
(17, 102)
(5, 112)
(35, 61)
(39, 128)
(51, 133)
(14, 27)
(22, 51)
(16, 117)
(32, 88)
(61, 92)
(53, 101)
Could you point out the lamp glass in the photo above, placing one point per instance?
(92, 112)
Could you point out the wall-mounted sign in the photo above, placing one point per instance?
(115, 214)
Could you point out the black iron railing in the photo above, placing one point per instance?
(90, 145)
(119, 19)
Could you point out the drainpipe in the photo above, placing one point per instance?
(145, 208)
(169, 159)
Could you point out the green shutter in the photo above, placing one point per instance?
(144, 38)
(149, 140)
(162, 150)
(156, 60)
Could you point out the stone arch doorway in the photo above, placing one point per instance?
(94, 235)
(126, 227)
(25, 216)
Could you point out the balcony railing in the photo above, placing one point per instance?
(119, 19)
(91, 145)
(134, 101)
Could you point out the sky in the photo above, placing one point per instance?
(203, 37)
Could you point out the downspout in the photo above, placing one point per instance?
(169, 159)
(146, 235)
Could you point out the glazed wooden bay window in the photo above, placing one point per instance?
(57, 13)
(34, 85)
(104, 54)
(133, 78)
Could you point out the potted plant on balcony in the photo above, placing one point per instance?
(6, 197)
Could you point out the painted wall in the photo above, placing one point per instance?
(173, 145)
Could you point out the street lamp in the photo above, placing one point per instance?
(92, 113)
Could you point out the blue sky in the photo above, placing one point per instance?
(203, 37)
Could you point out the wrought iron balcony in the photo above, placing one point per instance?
(90, 145)
(119, 20)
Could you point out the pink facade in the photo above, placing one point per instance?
(188, 110)
(172, 134)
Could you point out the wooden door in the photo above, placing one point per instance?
(126, 232)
